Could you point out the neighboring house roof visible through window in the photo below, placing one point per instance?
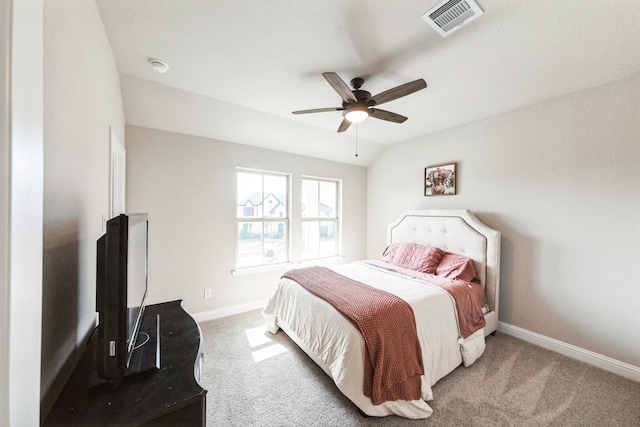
(272, 202)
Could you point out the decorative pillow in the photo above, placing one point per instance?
(390, 252)
(427, 261)
(458, 267)
(413, 256)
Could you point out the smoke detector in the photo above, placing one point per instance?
(158, 65)
(450, 15)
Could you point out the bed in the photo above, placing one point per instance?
(337, 345)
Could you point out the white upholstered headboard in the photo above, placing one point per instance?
(459, 232)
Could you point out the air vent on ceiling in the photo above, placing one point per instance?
(450, 15)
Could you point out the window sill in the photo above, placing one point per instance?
(262, 269)
(286, 266)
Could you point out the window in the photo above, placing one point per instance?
(320, 218)
(262, 218)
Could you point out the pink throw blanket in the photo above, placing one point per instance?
(393, 357)
(469, 297)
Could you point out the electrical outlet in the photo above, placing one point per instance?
(207, 293)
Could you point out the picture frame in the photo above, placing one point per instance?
(440, 180)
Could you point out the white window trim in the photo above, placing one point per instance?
(337, 218)
(287, 266)
(238, 271)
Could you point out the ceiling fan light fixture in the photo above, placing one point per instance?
(356, 103)
(356, 114)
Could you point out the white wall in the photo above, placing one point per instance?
(187, 185)
(21, 151)
(81, 102)
(560, 180)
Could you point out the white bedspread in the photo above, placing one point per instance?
(337, 346)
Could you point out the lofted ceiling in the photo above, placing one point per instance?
(238, 68)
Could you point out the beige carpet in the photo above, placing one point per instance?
(254, 378)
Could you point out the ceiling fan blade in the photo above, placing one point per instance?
(340, 86)
(386, 115)
(399, 91)
(344, 125)
(318, 110)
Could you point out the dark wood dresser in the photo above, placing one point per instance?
(167, 396)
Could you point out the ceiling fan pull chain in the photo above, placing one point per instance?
(357, 139)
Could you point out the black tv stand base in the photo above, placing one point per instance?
(168, 393)
(146, 354)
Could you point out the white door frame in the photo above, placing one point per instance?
(21, 209)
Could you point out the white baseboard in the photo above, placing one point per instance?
(228, 311)
(603, 362)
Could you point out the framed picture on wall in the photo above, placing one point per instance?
(440, 180)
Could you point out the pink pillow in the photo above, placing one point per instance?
(390, 252)
(413, 256)
(454, 266)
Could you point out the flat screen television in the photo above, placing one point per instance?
(121, 291)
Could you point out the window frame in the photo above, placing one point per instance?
(264, 219)
(337, 219)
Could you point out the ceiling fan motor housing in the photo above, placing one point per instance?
(363, 97)
(357, 82)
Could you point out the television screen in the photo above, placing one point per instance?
(136, 277)
(121, 289)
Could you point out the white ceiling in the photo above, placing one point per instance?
(239, 67)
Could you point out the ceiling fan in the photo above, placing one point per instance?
(357, 104)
